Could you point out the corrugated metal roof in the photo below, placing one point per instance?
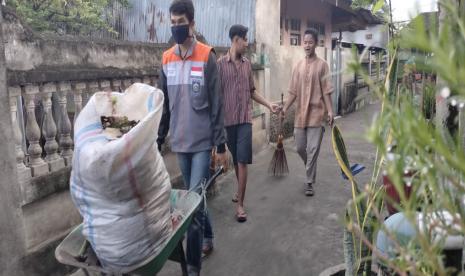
(149, 21)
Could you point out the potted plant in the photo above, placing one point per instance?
(433, 153)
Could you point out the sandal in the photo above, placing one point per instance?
(309, 190)
(206, 250)
(235, 198)
(241, 217)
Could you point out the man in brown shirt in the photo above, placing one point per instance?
(235, 72)
(311, 87)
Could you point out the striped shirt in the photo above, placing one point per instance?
(238, 87)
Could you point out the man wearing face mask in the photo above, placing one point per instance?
(193, 112)
(239, 90)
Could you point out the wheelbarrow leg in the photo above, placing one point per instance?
(178, 256)
(182, 259)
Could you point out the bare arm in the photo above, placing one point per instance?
(289, 102)
(327, 90)
(328, 103)
(329, 107)
(261, 100)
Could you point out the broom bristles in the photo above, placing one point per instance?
(278, 165)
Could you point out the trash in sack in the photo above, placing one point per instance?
(119, 181)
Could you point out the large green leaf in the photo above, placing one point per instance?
(378, 6)
(342, 158)
(340, 151)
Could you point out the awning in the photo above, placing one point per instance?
(345, 18)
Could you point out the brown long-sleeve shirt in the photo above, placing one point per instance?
(310, 81)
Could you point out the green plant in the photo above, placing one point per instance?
(358, 233)
(76, 17)
(428, 104)
(435, 154)
(357, 256)
(376, 6)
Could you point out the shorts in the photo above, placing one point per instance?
(240, 143)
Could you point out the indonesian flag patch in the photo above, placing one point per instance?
(196, 72)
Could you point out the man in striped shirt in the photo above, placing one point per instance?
(235, 72)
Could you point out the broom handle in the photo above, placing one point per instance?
(282, 118)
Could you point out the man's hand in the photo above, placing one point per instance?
(330, 119)
(274, 108)
(223, 160)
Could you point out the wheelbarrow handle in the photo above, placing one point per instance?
(217, 173)
(203, 185)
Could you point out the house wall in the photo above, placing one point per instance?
(314, 11)
(41, 206)
(355, 95)
(279, 59)
(347, 75)
(267, 37)
(351, 95)
(373, 36)
(11, 229)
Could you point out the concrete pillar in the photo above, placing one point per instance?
(442, 110)
(338, 88)
(12, 246)
(267, 18)
(461, 9)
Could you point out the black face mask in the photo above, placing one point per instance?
(180, 33)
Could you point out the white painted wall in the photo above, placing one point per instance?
(379, 35)
(282, 58)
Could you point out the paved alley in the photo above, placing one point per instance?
(287, 233)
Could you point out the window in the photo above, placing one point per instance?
(295, 39)
(295, 32)
(320, 27)
(283, 22)
(295, 25)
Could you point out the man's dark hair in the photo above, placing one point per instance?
(181, 7)
(239, 30)
(313, 33)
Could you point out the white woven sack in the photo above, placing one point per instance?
(121, 187)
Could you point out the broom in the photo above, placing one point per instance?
(278, 165)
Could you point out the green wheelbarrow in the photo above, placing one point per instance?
(75, 251)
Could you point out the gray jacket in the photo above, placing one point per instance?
(193, 107)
